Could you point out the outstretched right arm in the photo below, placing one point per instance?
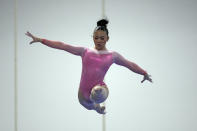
(58, 45)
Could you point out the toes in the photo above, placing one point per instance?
(101, 110)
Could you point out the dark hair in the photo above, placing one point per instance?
(102, 25)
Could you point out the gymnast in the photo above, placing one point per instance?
(95, 63)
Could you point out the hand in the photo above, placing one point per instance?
(147, 77)
(35, 39)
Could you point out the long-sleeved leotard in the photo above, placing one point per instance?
(95, 64)
(94, 67)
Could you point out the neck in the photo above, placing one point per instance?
(100, 49)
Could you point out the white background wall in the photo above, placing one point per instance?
(160, 36)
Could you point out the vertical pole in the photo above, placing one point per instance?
(15, 69)
(104, 121)
(103, 8)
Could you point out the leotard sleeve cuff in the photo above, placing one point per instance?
(43, 40)
(145, 73)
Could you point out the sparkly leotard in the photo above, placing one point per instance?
(94, 67)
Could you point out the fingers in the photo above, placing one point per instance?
(150, 80)
(29, 34)
(147, 77)
(143, 80)
(31, 42)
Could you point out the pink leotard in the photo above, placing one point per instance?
(94, 64)
(94, 68)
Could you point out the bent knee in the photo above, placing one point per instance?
(99, 94)
(87, 105)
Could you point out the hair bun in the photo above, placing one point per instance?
(102, 22)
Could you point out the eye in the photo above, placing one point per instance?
(102, 38)
(95, 38)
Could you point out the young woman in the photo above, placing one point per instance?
(95, 63)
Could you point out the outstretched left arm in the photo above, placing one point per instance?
(120, 60)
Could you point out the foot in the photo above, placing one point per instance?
(100, 109)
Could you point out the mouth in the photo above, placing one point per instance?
(99, 44)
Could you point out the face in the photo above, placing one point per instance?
(100, 38)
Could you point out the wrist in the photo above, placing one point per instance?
(39, 39)
(145, 73)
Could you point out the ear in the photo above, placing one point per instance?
(107, 38)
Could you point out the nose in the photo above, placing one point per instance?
(100, 40)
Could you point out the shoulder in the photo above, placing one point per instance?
(115, 54)
(83, 50)
(118, 58)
